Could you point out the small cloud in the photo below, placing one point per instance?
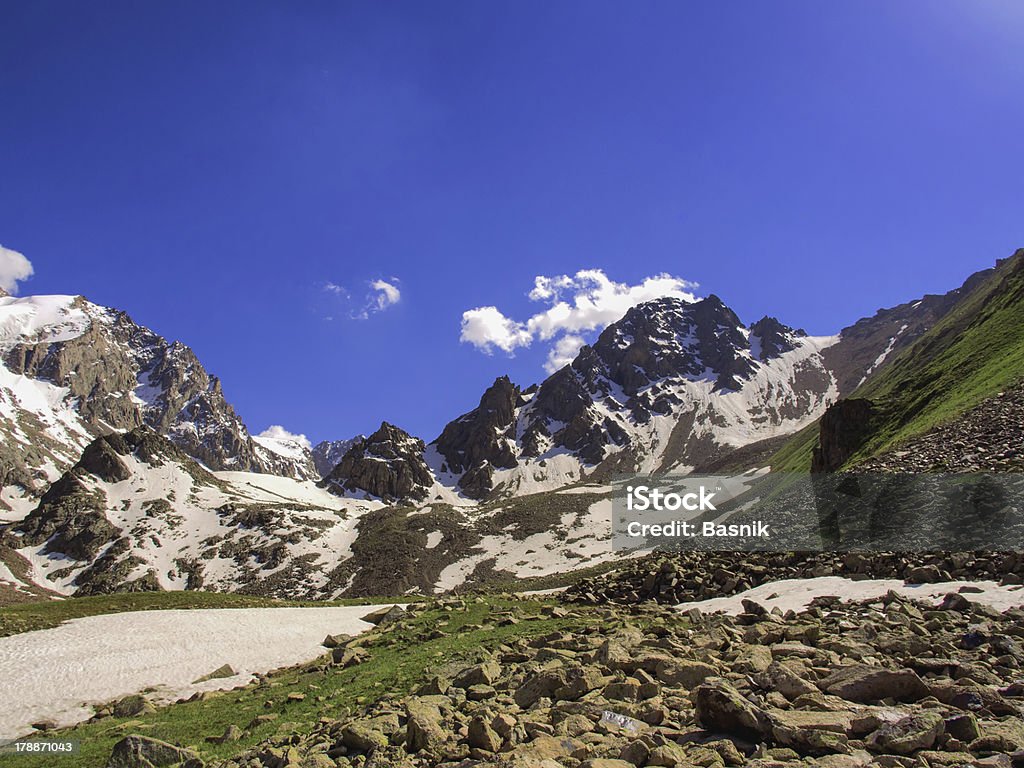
(577, 304)
(280, 434)
(336, 289)
(387, 294)
(378, 296)
(486, 327)
(563, 352)
(14, 268)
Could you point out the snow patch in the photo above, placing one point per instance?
(57, 673)
(797, 594)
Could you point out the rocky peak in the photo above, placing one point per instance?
(388, 464)
(669, 337)
(482, 434)
(120, 375)
(770, 338)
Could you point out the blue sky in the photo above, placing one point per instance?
(212, 167)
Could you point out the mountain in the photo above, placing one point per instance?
(948, 385)
(71, 370)
(144, 477)
(671, 386)
(136, 513)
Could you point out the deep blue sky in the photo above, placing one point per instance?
(208, 167)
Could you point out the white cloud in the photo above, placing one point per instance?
(387, 294)
(579, 303)
(486, 327)
(14, 268)
(277, 432)
(380, 295)
(563, 352)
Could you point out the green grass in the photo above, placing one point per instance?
(26, 617)
(399, 661)
(972, 353)
(795, 454)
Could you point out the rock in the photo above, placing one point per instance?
(963, 727)
(363, 736)
(782, 679)
(687, 674)
(424, 731)
(924, 574)
(482, 736)
(668, 755)
(480, 674)
(721, 709)
(605, 762)
(635, 753)
(334, 641)
(865, 684)
(384, 615)
(540, 685)
(221, 672)
(580, 682)
(144, 752)
(907, 735)
(807, 741)
(130, 706)
(231, 733)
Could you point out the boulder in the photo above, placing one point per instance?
(482, 736)
(920, 730)
(144, 752)
(721, 709)
(866, 684)
(688, 674)
(480, 674)
(424, 730)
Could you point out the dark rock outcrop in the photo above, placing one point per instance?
(483, 439)
(388, 464)
(842, 431)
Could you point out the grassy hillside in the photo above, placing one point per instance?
(974, 352)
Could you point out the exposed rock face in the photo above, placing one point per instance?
(102, 372)
(773, 338)
(843, 429)
(328, 453)
(388, 464)
(483, 439)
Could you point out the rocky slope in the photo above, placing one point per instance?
(889, 681)
(137, 513)
(985, 439)
(71, 370)
(327, 454)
